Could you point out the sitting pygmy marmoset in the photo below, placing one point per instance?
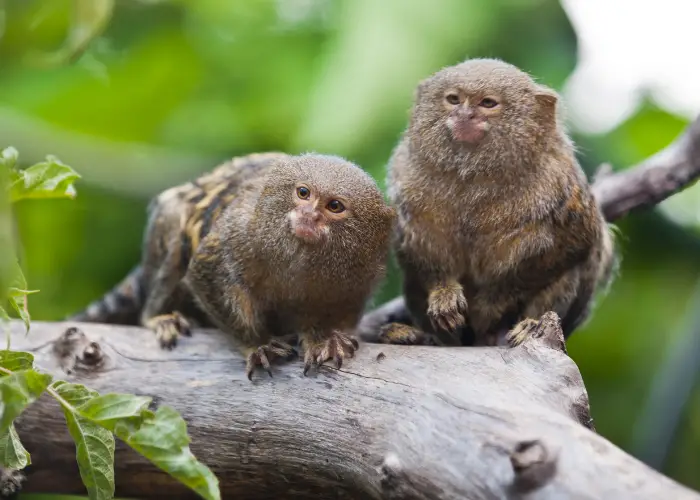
(266, 247)
(496, 220)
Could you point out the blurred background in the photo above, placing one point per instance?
(140, 95)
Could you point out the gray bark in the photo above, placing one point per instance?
(394, 422)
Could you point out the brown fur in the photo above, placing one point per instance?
(220, 252)
(507, 221)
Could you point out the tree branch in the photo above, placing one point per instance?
(654, 180)
(642, 186)
(394, 422)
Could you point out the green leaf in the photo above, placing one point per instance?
(12, 453)
(17, 391)
(18, 281)
(162, 438)
(17, 294)
(3, 314)
(19, 304)
(49, 179)
(94, 444)
(16, 361)
(109, 409)
(18, 300)
(8, 157)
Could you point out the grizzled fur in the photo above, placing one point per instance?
(220, 250)
(497, 231)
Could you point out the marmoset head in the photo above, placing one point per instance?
(325, 202)
(481, 105)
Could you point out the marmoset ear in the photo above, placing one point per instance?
(546, 96)
(547, 100)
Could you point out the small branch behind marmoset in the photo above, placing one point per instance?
(652, 181)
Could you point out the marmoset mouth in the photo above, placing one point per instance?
(470, 133)
(308, 231)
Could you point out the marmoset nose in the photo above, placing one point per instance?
(310, 213)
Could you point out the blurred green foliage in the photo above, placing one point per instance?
(169, 88)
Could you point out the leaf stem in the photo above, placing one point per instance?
(60, 399)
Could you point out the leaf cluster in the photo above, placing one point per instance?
(93, 420)
(48, 179)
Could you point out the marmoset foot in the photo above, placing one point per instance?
(447, 308)
(521, 331)
(401, 334)
(265, 354)
(337, 346)
(168, 328)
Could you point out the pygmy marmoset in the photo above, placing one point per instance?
(265, 247)
(496, 221)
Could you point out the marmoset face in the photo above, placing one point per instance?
(315, 211)
(470, 112)
(326, 202)
(481, 101)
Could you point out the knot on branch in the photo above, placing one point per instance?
(92, 354)
(533, 463)
(396, 482)
(391, 469)
(76, 352)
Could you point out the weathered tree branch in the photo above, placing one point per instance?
(654, 180)
(395, 422)
(642, 186)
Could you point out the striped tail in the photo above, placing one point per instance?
(121, 305)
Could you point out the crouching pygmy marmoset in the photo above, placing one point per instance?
(496, 221)
(266, 247)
